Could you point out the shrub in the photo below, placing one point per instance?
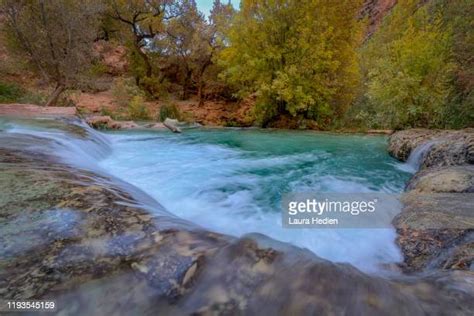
(169, 111)
(137, 109)
(154, 87)
(10, 93)
(124, 90)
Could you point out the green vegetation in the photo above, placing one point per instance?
(458, 15)
(124, 90)
(305, 63)
(137, 109)
(408, 68)
(14, 93)
(55, 38)
(10, 93)
(298, 57)
(169, 111)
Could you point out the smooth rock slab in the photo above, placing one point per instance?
(452, 179)
(436, 231)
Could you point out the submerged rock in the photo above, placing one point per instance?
(99, 246)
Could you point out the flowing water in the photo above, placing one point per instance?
(231, 181)
(415, 159)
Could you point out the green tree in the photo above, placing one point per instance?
(208, 42)
(458, 16)
(140, 22)
(298, 57)
(185, 31)
(192, 43)
(408, 68)
(55, 37)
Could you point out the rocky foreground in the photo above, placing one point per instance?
(436, 225)
(99, 246)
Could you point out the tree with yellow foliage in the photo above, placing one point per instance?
(298, 57)
(408, 68)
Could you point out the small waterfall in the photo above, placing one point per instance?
(71, 139)
(417, 155)
(74, 143)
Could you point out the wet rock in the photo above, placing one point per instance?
(123, 125)
(436, 231)
(448, 147)
(436, 224)
(99, 122)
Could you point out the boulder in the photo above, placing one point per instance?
(123, 125)
(156, 126)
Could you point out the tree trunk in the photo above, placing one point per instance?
(200, 88)
(146, 60)
(53, 98)
(187, 80)
(201, 82)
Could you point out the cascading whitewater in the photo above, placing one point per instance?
(231, 181)
(416, 157)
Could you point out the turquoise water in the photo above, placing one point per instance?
(231, 181)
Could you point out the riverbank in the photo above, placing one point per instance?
(31, 110)
(86, 239)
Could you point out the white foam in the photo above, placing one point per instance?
(232, 191)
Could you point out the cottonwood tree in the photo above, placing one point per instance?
(298, 57)
(208, 42)
(192, 43)
(143, 22)
(409, 68)
(184, 34)
(55, 37)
